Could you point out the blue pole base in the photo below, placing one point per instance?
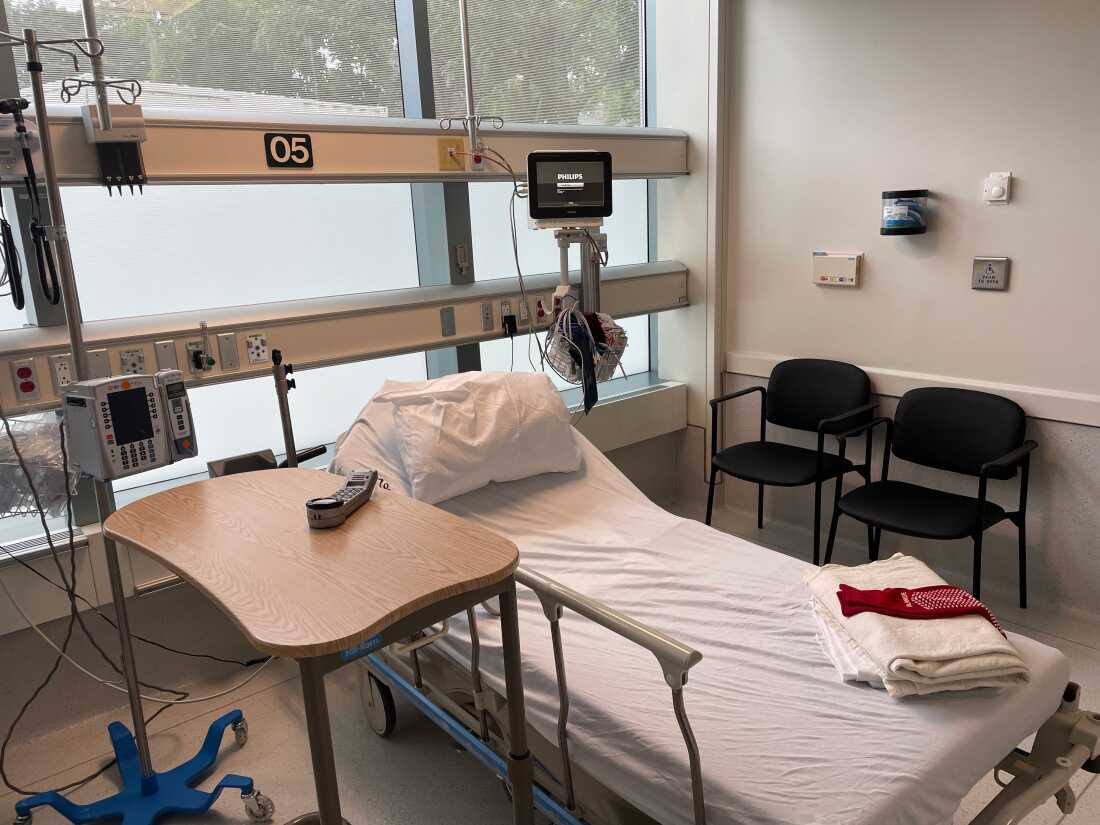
(143, 800)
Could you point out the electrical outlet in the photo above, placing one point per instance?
(449, 161)
(524, 311)
(198, 359)
(61, 370)
(99, 365)
(132, 361)
(256, 345)
(166, 355)
(505, 308)
(227, 351)
(487, 316)
(25, 377)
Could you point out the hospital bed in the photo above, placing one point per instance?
(779, 738)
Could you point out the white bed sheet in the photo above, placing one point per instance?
(782, 740)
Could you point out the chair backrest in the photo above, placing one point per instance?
(804, 391)
(957, 430)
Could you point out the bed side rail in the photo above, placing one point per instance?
(1068, 741)
(675, 659)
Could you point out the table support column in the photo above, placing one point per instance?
(520, 770)
(319, 727)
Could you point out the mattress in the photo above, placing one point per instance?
(781, 739)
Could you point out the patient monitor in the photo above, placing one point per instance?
(127, 424)
(568, 189)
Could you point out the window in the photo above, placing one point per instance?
(627, 232)
(325, 56)
(180, 248)
(575, 62)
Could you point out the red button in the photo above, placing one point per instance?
(26, 386)
(187, 443)
(24, 372)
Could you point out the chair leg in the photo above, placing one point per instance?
(976, 589)
(1023, 565)
(874, 536)
(759, 506)
(710, 492)
(817, 523)
(832, 535)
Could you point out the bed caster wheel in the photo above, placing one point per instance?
(240, 732)
(378, 705)
(1066, 800)
(259, 808)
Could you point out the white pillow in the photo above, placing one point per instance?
(371, 444)
(458, 433)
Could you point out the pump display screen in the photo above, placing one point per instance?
(566, 185)
(130, 415)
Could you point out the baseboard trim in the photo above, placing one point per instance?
(1038, 402)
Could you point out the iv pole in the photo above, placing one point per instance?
(104, 494)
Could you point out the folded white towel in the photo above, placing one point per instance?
(909, 656)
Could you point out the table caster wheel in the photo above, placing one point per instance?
(240, 732)
(258, 807)
(378, 705)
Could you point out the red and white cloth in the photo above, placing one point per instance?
(938, 601)
(905, 657)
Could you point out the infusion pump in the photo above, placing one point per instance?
(127, 424)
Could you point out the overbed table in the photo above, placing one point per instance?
(328, 597)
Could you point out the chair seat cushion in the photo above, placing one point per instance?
(901, 507)
(783, 465)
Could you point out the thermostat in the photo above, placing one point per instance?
(837, 268)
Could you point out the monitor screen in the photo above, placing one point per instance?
(130, 415)
(565, 185)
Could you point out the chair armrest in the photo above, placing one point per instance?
(1009, 461)
(837, 419)
(862, 428)
(714, 402)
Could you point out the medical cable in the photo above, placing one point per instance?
(75, 618)
(495, 157)
(13, 270)
(115, 685)
(245, 663)
(70, 588)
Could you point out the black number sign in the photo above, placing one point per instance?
(288, 151)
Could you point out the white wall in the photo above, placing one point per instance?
(835, 102)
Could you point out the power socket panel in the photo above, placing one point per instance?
(62, 370)
(256, 347)
(132, 361)
(25, 376)
(194, 347)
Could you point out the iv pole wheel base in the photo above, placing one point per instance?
(259, 808)
(144, 800)
(240, 732)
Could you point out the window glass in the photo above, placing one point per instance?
(180, 248)
(324, 56)
(243, 416)
(521, 354)
(577, 62)
(627, 232)
(10, 317)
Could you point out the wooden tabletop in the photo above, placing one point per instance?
(294, 591)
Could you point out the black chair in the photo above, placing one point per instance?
(962, 431)
(804, 394)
